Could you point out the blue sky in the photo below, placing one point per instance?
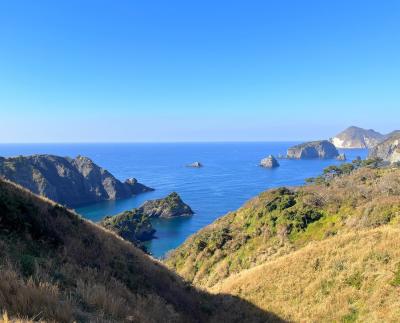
(73, 71)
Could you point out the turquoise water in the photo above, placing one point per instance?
(230, 176)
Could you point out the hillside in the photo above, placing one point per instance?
(56, 266)
(68, 181)
(355, 137)
(328, 251)
(281, 220)
(347, 278)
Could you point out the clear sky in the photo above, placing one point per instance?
(206, 70)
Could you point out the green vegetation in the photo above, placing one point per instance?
(307, 240)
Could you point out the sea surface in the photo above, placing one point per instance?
(229, 178)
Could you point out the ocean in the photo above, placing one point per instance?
(229, 178)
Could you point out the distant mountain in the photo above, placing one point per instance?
(68, 181)
(389, 149)
(313, 149)
(355, 137)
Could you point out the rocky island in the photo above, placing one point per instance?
(168, 207)
(135, 225)
(269, 162)
(314, 149)
(68, 181)
(388, 150)
(355, 137)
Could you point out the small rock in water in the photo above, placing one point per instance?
(269, 162)
(195, 165)
(341, 157)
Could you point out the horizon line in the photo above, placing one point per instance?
(150, 142)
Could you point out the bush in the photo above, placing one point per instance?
(28, 265)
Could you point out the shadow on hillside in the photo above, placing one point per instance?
(234, 309)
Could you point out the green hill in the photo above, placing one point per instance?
(265, 252)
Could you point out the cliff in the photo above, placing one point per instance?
(314, 149)
(355, 137)
(68, 181)
(388, 150)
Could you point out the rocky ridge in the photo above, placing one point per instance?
(68, 181)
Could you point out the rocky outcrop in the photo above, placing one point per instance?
(68, 181)
(355, 137)
(341, 157)
(133, 226)
(195, 165)
(168, 207)
(388, 150)
(269, 162)
(313, 149)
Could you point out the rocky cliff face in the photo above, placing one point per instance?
(68, 181)
(355, 137)
(388, 150)
(314, 149)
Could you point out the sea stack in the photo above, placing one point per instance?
(269, 162)
(322, 149)
(341, 157)
(196, 164)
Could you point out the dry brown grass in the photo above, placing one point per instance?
(56, 266)
(367, 198)
(344, 278)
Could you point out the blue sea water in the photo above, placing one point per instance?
(229, 178)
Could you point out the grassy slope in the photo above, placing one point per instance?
(55, 266)
(350, 277)
(271, 227)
